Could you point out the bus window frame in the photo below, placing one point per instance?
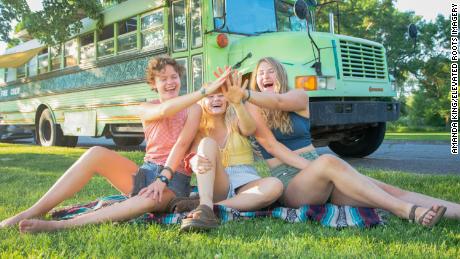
(191, 24)
(98, 42)
(81, 47)
(152, 29)
(119, 36)
(186, 48)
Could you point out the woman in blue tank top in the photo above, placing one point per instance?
(283, 132)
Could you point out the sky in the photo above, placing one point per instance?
(428, 9)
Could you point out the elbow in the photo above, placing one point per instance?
(248, 131)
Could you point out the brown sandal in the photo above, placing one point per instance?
(206, 220)
(439, 213)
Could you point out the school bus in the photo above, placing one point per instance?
(91, 84)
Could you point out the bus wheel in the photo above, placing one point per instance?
(49, 133)
(360, 145)
(128, 141)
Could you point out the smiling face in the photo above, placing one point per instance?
(266, 77)
(215, 104)
(167, 83)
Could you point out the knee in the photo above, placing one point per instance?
(273, 189)
(330, 162)
(96, 152)
(207, 144)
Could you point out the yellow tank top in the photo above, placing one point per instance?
(237, 150)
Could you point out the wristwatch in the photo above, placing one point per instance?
(163, 179)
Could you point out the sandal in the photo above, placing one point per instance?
(182, 204)
(206, 220)
(439, 213)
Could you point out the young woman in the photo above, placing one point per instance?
(170, 125)
(286, 146)
(223, 164)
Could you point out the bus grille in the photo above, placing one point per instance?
(362, 60)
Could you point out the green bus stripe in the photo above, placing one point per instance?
(336, 59)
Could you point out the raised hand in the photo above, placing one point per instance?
(154, 190)
(233, 90)
(221, 78)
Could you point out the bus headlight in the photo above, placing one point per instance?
(313, 83)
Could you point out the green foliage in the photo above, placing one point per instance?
(54, 24)
(26, 173)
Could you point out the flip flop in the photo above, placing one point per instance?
(206, 220)
(439, 213)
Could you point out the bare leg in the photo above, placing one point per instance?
(122, 211)
(315, 184)
(453, 209)
(255, 195)
(117, 169)
(212, 185)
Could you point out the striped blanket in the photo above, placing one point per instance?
(328, 215)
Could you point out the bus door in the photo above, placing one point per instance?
(186, 41)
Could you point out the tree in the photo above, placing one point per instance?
(59, 19)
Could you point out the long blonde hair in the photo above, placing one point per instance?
(275, 119)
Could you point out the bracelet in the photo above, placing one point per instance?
(203, 91)
(247, 98)
(167, 168)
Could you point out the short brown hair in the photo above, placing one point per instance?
(157, 64)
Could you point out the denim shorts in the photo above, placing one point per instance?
(179, 184)
(238, 176)
(286, 172)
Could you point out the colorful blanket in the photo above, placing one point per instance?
(328, 215)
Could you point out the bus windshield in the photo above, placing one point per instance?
(259, 16)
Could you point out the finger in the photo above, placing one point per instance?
(155, 194)
(245, 84)
(160, 195)
(220, 70)
(240, 79)
(216, 74)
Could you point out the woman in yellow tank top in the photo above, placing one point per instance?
(224, 158)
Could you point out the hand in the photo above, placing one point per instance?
(233, 91)
(200, 164)
(154, 190)
(213, 86)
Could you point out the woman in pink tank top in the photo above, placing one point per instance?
(170, 125)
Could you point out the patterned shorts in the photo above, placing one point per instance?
(286, 172)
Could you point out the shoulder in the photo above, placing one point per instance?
(194, 111)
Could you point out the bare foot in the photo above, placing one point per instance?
(36, 225)
(12, 221)
(427, 217)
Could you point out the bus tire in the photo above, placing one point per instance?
(360, 145)
(48, 132)
(128, 141)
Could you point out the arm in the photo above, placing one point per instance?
(150, 111)
(233, 94)
(294, 100)
(265, 137)
(177, 153)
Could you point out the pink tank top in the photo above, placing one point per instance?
(161, 135)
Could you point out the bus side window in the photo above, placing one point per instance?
(70, 53)
(179, 26)
(55, 57)
(105, 44)
(32, 67)
(21, 72)
(127, 34)
(152, 30)
(197, 72)
(43, 61)
(87, 50)
(197, 34)
(183, 78)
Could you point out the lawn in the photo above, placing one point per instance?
(26, 172)
(418, 136)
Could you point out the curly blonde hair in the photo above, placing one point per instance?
(157, 64)
(275, 119)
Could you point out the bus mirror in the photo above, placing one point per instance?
(300, 9)
(413, 31)
(218, 8)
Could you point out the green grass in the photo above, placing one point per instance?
(418, 136)
(26, 172)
